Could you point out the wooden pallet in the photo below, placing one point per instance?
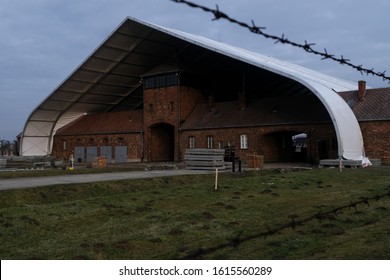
(344, 162)
(204, 159)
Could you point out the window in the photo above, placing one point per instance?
(244, 141)
(191, 142)
(149, 83)
(171, 79)
(164, 80)
(160, 81)
(209, 142)
(64, 145)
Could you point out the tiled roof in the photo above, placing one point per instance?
(375, 106)
(114, 122)
(293, 110)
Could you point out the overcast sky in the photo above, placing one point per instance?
(43, 41)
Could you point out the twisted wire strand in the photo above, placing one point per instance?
(293, 224)
(308, 47)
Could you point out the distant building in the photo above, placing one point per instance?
(149, 93)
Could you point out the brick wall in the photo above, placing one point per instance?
(64, 146)
(274, 142)
(376, 135)
(265, 141)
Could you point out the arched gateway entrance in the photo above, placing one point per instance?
(162, 142)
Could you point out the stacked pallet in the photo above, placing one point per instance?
(204, 159)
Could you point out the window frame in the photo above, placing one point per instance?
(161, 81)
(243, 141)
(210, 142)
(191, 142)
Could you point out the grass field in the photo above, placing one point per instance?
(249, 217)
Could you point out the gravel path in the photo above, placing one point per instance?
(18, 183)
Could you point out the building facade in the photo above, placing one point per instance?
(177, 116)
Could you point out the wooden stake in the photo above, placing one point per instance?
(216, 180)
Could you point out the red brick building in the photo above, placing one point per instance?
(372, 110)
(118, 136)
(177, 117)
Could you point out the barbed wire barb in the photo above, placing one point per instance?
(307, 46)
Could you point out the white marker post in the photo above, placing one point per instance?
(216, 180)
(341, 164)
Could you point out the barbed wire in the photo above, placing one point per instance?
(308, 47)
(293, 224)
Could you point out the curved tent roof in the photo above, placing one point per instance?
(111, 79)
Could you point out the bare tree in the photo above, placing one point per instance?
(5, 147)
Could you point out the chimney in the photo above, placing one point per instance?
(211, 102)
(241, 101)
(361, 90)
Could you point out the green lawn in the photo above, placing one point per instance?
(180, 217)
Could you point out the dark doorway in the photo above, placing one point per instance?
(162, 142)
(323, 149)
(299, 143)
(285, 146)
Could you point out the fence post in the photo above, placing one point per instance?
(216, 180)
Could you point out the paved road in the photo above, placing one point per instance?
(18, 183)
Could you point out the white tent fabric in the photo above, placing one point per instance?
(104, 81)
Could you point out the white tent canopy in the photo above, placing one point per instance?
(111, 79)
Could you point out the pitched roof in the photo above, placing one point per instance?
(114, 122)
(270, 111)
(375, 106)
